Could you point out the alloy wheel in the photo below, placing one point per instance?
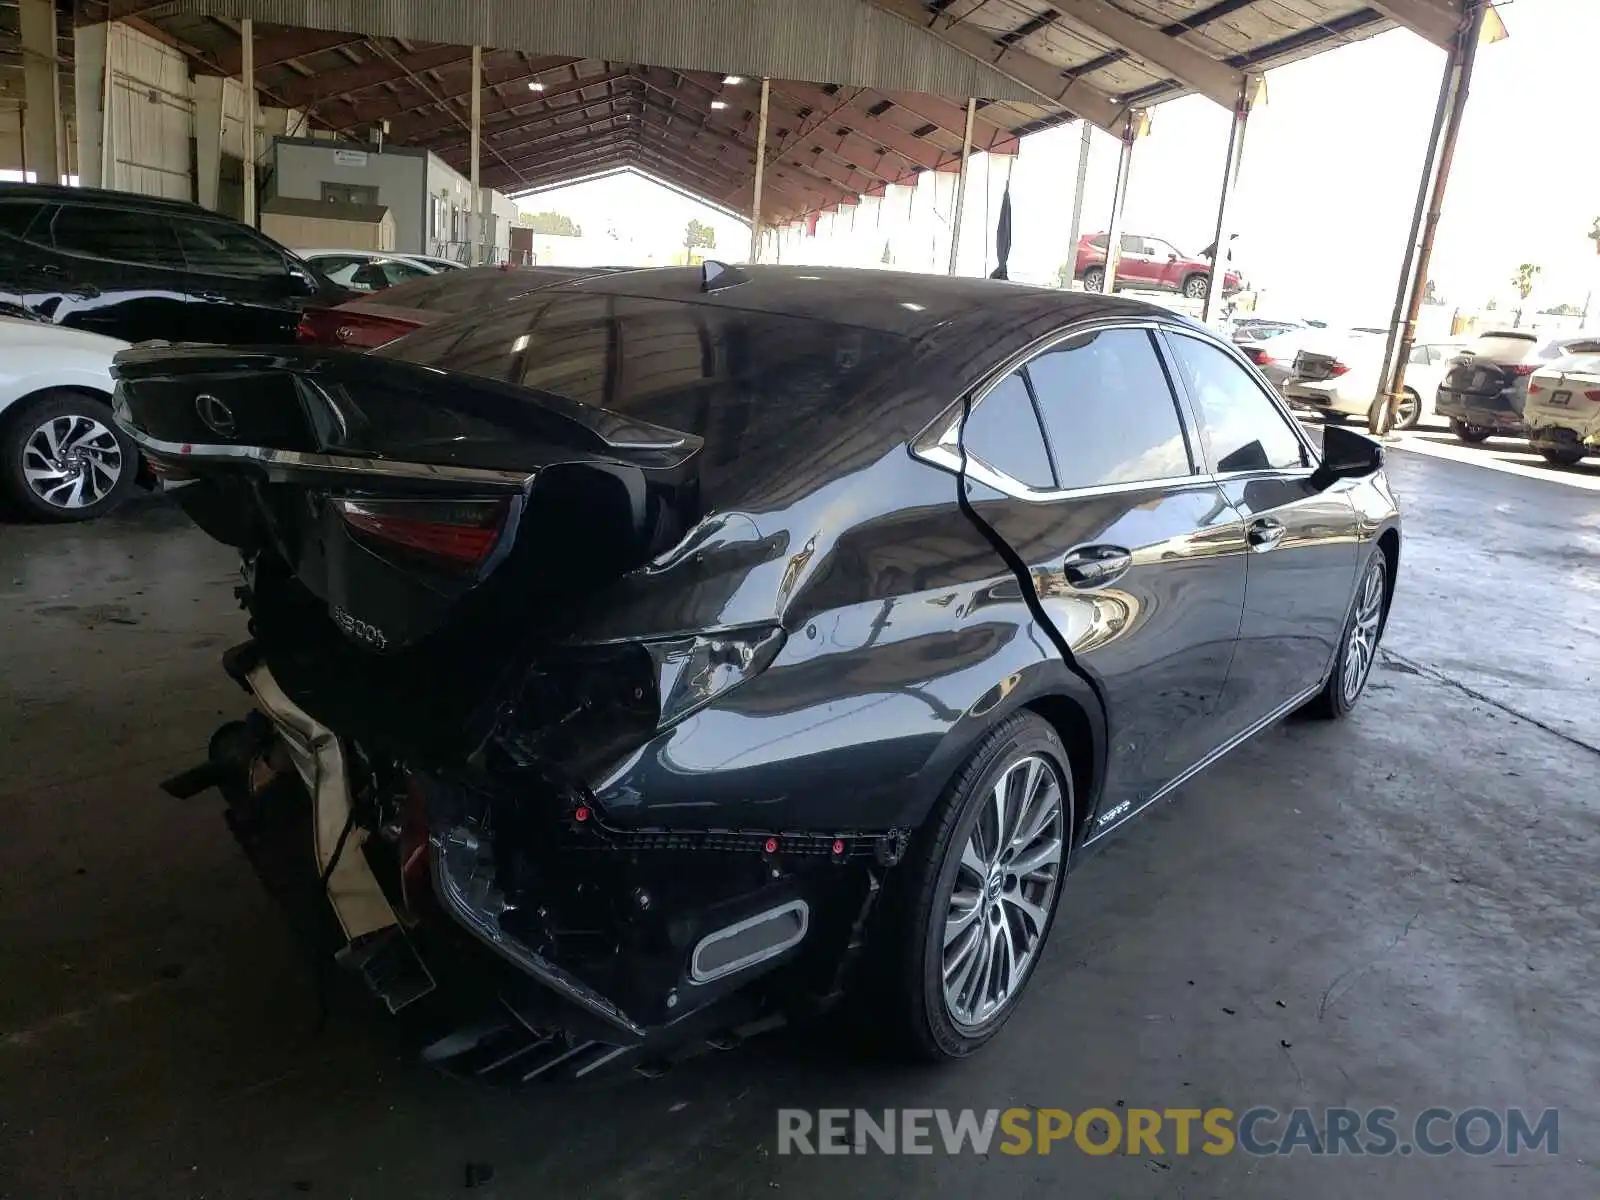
(72, 461)
(1196, 288)
(1004, 887)
(1362, 646)
(1406, 410)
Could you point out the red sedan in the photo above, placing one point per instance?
(1148, 263)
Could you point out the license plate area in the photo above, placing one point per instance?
(1561, 399)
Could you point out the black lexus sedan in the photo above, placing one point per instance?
(668, 649)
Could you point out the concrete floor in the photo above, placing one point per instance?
(1396, 910)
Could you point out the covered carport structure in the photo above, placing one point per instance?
(782, 109)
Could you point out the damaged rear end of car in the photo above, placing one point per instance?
(428, 564)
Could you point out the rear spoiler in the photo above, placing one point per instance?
(231, 402)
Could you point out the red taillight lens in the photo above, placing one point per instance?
(1521, 369)
(1259, 356)
(452, 535)
(358, 331)
(1534, 389)
(1337, 368)
(1593, 396)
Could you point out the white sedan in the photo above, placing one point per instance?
(62, 457)
(1340, 378)
(373, 270)
(1562, 411)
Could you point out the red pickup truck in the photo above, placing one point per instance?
(1148, 262)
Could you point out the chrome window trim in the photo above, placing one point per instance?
(336, 463)
(939, 442)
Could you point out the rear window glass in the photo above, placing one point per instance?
(17, 215)
(1504, 347)
(746, 382)
(1577, 364)
(468, 290)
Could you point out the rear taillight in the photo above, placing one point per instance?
(1259, 356)
(358, 331)
(1592, 396)
(1337, 368)
(452, 535)
(1534, 389)
(1520, 369)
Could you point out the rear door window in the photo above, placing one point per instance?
(220, 248)
(118, 234)
(1003, 432)
(1109, 412)
(1246, 430)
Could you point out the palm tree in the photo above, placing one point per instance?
(1594, 234)
(1523, 282)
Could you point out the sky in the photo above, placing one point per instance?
(1329, 179)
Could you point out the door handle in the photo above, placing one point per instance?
(1265, 533)
(212, 297)
(1095, 566)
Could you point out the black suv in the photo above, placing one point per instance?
(141, 267)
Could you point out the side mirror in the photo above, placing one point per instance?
(1172, 258)
(1346, 454)
(301, 281)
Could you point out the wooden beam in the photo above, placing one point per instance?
(1194, 68)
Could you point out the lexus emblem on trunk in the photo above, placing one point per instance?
(217, 415)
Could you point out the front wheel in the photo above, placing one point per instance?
(1094, 279)
(1359, 645)
(1196, 287)
(62, 458)
(1468, 432)
(966, 915)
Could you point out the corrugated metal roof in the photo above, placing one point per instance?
(865, 93)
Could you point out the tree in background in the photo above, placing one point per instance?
(1563, 310)
(1523, 282)
(697, 235)
(1430, 293)
(888, 258)
(552, 224)
(1594, 234)
(1064, 277)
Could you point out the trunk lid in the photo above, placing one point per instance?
(397, 517)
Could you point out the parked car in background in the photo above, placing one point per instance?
(1275, 357)
(1486, 386)
(141, 267)
(364, 324)
(1342, 380)
(1562, 410)
(1147, 262)
(706, 639)
(367, 270)
(62, 457)
(1260, 329)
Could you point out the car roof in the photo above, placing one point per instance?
(52, 193)
(895, 302)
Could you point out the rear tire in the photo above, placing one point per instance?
(1560, 456)
(1358, 647)
(62, 457)
(1094, 279)
(1408, 411)
(1468, 433)
(1196, 287)
(956, 877)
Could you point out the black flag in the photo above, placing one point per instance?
(1002, 236)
